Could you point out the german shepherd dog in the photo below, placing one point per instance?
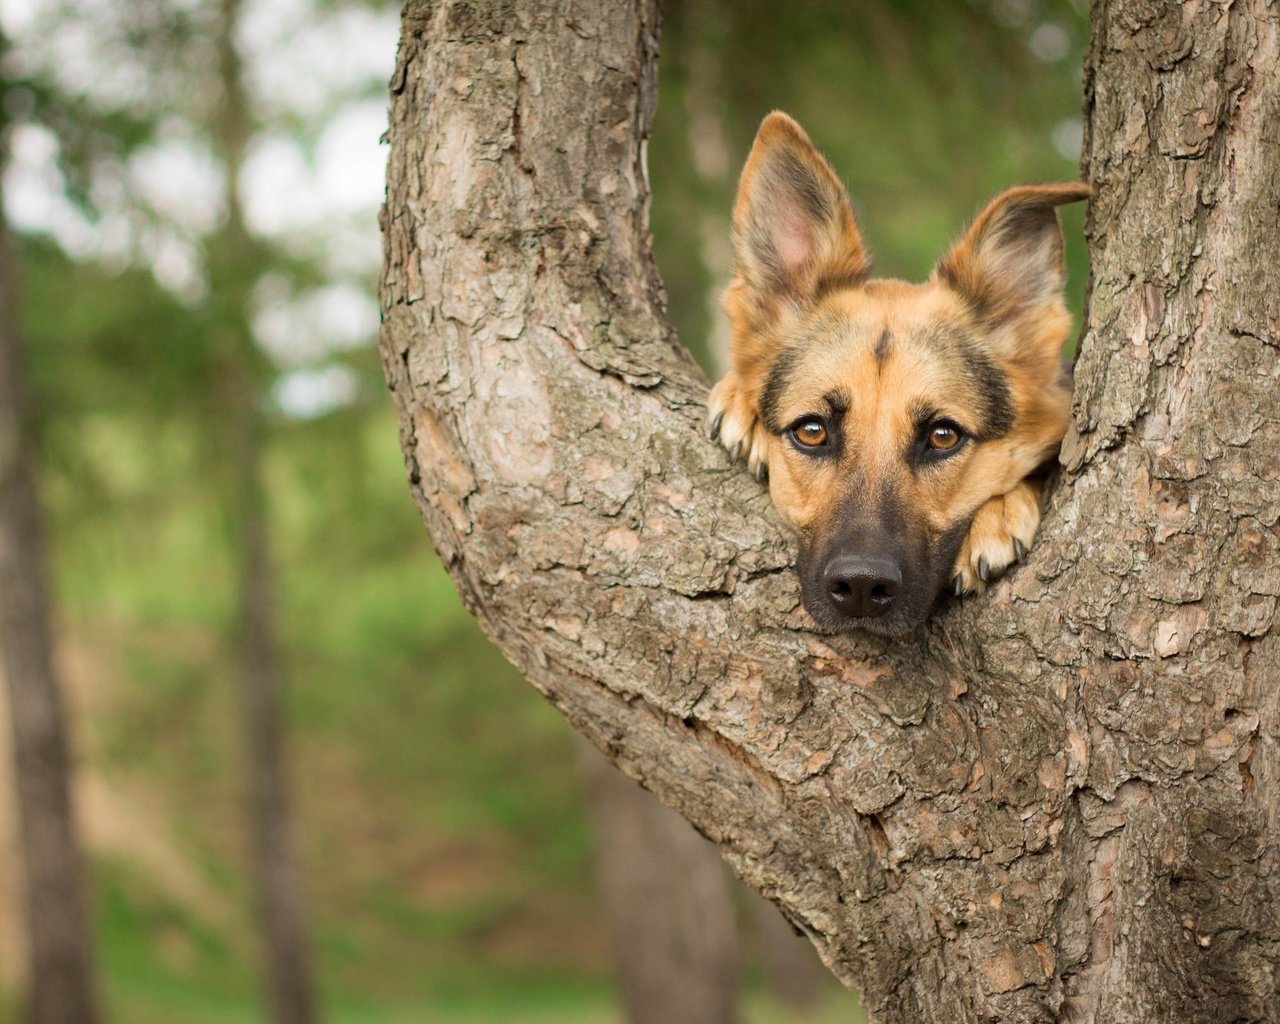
(901, 426)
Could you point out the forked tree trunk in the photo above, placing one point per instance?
(1058, 803)
(61, 988)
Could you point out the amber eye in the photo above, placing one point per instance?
(943, 437)
(810, 433)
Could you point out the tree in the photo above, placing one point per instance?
(237, 260)
(668, 902)
(62, 987)
(185, 80)
(1059, 801)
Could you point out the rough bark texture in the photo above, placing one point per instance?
(61, 989)
(1058, 802)
(670, 909)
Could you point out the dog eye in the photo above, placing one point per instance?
(943, 437)
(810, 433)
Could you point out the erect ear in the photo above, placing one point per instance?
(793, 228)
(1009, 262)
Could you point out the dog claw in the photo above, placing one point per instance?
(957, 585)
(1019, 551)
(713, 430)
(984, 570)
(760, 472)
(734, 452)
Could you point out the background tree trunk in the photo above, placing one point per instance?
(236, 260)
(61, 988)
(793, 974)
(670, 908)
(1059, 801)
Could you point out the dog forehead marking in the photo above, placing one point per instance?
(889, 344)
(882, 346)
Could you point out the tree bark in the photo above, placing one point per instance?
(235, 259)
(1059, 801)
(61, 988)
(667, 898)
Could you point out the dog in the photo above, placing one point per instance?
(903, 428)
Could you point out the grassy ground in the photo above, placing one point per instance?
(536, 1004)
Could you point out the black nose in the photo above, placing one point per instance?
(866, 587)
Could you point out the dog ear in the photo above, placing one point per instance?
(793, 228)
(1009, 262)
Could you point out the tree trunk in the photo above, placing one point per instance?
(61, 989)
(666, 894)
(1057, 802)
(279, 891)
(236, 259)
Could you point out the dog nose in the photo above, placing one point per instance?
(865, 587)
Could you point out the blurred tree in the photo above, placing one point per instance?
(235, 264)
(667, 896)
(62, 987)
(172, 77)
(792, 970)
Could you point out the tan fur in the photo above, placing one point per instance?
(891, 348)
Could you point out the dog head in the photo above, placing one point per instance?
(890, 411)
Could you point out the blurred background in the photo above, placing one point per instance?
(264, 671)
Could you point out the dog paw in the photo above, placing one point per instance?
(731, 420)
(1000, 534)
